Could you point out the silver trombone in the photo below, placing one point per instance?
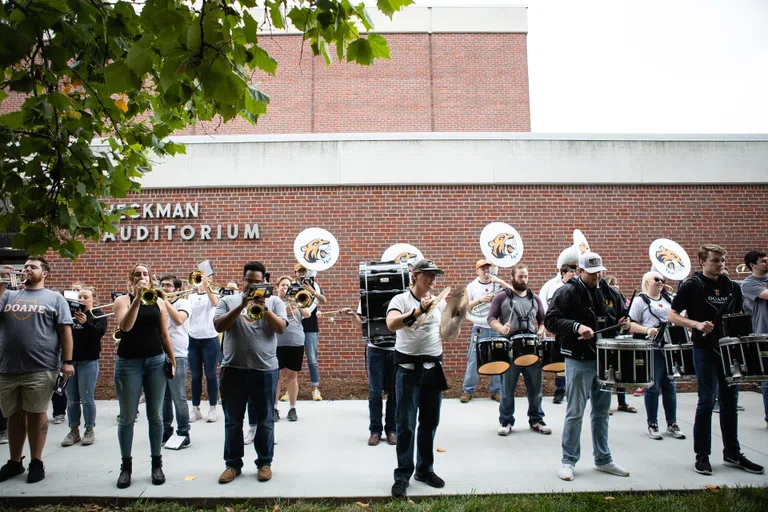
(104, 315)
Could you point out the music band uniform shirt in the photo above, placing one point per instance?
(424, 341)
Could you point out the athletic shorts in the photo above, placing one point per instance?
(29, 392)
(290, 357)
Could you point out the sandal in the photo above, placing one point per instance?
(626, 408)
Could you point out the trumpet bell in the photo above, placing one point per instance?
(304, 299)
(255, 312)
(195, 278)
(150, 297)
(117, 334)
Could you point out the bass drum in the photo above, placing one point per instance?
(379, 283)
(492, 356)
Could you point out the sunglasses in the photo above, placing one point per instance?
(659, 280)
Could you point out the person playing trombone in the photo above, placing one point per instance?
(87, 331)
(290, 346)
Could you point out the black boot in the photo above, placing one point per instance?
(124, 480)
(158, 477)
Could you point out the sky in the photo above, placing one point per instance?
(619, 66)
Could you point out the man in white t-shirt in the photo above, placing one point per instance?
(176, 390)
(203, 350)
(419, 380)
(480, 291)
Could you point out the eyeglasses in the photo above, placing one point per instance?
(659, 280)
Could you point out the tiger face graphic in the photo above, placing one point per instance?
(503, 245)
(583, 247)
(669, 259)
(316, 250)
(404, 257)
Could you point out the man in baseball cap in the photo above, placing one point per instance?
(591, 262)
(425, 265)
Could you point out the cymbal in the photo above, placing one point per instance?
(435, 303)
(454, 313)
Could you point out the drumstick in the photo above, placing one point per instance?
(617, 325)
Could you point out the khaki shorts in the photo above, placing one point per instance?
(29, 392)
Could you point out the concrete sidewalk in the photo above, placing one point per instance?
(325, 455)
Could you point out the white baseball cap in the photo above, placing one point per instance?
(591, 262)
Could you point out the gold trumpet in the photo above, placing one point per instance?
(196, 278)
(255, 312)
(150, 296)
(742, 269)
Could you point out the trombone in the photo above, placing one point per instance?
(111, 304)
(117, 334)
(742, 269)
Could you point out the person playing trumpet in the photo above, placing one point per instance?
(251, 324)
(290, 346)
(203, 351)
(481, 291)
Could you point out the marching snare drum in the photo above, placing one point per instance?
(745, 359)
(525, 349)
(679, 362)
(737, 325)
(552, 360)
(676, 335)
(492, 355)
(624, 362)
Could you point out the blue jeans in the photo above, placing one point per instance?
(711, 380)
(581, 384)
(311, 340)
(80, 389)
(176, 395)
(559, 386)
(204, 354)
(237, 387)
(765, 399)
(470, 377)
(412, 397)
(668, 392)
(381, 376)
(131, 375)
(532, 377)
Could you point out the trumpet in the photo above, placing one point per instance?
(196, 278)
(330, 315)
(300, 295)
(15, 277)
(150, 296)
(742, 269)
(117, 335)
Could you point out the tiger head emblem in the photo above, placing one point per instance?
(583, 247)
(503, 245)
(404, 257)
(669, 259)
(316, 250)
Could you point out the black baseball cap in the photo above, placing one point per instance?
(425, 265)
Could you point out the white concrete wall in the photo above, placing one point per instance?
(417, 18)
(453, 158)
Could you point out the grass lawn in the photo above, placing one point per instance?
(748, 499)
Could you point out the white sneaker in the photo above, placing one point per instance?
(613, 469)
(504, 429)
(316, 396)
(566, 472)
(195, 414)
(250, 435)
(212, 416)
(653, 431)
(674, 431)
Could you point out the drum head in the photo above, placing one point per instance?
(555, 367)
(527, 360)
(561, 374)
(493, 368)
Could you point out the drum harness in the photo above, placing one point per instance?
(718, 320)
(520, 317)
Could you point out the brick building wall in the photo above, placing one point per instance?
(444, 222)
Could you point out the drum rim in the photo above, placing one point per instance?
(524, 336)
(624, 344)
(731, 340)
(494, 338)
(675, 346)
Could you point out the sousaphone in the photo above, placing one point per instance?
(669, 259)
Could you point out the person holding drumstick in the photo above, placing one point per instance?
(419, 379)
(650, 309)
(573, 317)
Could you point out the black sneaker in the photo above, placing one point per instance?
(399, 487)
(185, 443)
(277, 415)
(292, 414)
(430, 479)
(11, 469)
(36, 471)
(741, 462)
(167, 436)
(702, 466)
(558, 399)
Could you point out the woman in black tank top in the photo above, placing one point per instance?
(140, 364)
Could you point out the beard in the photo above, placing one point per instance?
(520, 287)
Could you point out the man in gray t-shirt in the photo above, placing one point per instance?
(249, 369)
(755, 292)
(35, 331)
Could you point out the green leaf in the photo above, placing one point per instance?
(276, 15)
(256, 101)
(194, 38)
(360, 51)
(378, 46)
(251, 29)
(323, 48)
(362, 14)
(14, 120)
(390, 7)
(300, 18)
(263, 61)
(139, 60)
(13, 44)
(118, 77)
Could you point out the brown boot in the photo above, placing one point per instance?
(392, 438)
(374, 440)
(496, 396)
(465, 397)
(264, 474)
(228, 475)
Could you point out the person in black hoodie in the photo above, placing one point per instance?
(582, 306)
(707, 296)
(87, 332)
